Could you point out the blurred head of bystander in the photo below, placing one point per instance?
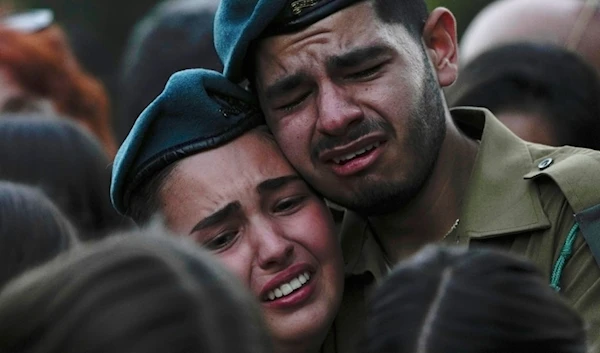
(138, 292)
(571, 24)
(39, 72)
(470, 301)
(173, 36)
(543, 93)
(32, 230)
(67, 163)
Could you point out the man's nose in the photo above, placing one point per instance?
(274, 251)
(337, 110)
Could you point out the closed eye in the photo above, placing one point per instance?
(365, 73)
(293, 104)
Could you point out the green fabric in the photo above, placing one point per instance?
(198, 110)
(565, 254)
(513, 205)
(589, 220)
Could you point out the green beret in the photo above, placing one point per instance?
(198, 110)
(239, 22)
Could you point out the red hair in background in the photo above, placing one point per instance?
(43, 64)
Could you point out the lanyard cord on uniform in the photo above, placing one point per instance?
(565, 254)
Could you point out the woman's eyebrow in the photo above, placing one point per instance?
(274, 184)
(218, 216)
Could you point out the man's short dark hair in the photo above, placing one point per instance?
(545, 80)
(411, 13)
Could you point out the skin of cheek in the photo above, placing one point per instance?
(179, 217)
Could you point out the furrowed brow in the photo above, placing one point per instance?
(218, 217)
(284, 85)
(356, 57)
(274, 184)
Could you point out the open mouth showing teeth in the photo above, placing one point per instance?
(345, 159)
(288, 288)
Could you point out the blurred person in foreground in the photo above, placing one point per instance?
(133, 292)
(200, 157)
(352, 90)
(445, 300)
(174, 35)
(65, 161)
(32, 230)
(543, 93)
(39, 73)
(571, 24)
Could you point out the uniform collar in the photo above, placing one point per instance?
(499, 200)
(362, 253)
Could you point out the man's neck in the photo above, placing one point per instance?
(434, 211)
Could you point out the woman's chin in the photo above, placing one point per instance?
(301, 331)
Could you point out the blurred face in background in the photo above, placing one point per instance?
(245, 203)
(530, 127)
(13, 98)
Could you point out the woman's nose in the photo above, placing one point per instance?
(273, 249)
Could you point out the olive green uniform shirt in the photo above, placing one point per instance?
(521, 197)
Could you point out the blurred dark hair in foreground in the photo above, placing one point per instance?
(137, 292)
(470, 301)
(32, 230)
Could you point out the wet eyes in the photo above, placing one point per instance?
(289, 204)
(221, 241)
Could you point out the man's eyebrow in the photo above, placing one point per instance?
(270, 185)
(356, 56)
(284, 85)
(218, 216)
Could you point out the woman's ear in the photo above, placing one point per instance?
(439, 36)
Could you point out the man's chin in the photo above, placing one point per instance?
(376, 200)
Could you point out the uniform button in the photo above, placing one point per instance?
(545, 163)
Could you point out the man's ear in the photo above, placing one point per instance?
(439, 36)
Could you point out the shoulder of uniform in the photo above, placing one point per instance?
(575, 170)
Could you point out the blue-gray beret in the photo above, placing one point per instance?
(239, 22)
(198, 110)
